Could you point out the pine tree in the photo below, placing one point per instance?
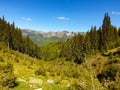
(13, 38)
(100, 39)
(106, 27)
(87, 43)
(94, 39)
(119, 32)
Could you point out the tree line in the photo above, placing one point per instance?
(94, 41)
(77, 48)
(12, 37)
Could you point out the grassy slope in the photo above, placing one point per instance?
(63, 73)
(24, 68)
(51, 50)
(44, 41)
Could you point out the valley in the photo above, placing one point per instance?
(32, 73)
(81, 58)
(43, 38)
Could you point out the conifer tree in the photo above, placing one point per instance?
(13, 38)
(106, 27)
(119, 32)
(87, 43)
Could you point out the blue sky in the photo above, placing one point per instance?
(57, 15)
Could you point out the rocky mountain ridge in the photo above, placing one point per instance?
(43, 38)
(58, 34)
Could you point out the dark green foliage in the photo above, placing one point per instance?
(76, 86)
(16, 60)
(100, 77)
(51, 51)
(40, 71)
(7, 78)
(119, 31)
(42, 41)
(94, 41)
(14, 40)
(106, 32)
(110, 54)
(113, 60)
(110, 72)
(79, 60)
(110, 76)
(117, 53)
(66, 50)
(1, 59)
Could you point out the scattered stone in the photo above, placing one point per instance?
(50, 81)
(35, 81)
(21, 80)
(68, 85)
(38, 89)
(83, 83)
(31, 85)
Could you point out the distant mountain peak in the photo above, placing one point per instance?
(60, 34)
(43, 38)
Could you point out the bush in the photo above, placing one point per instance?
(114, 60)
(79, 60)
(110, 72)
(16, 60)
(76, 86)
(1, 59)
(113, 86)
(110, 54)
(40, 71)
(7, 78)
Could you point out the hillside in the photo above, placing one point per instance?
(31, 73)
(51, 51)
(88, 61)
(43, 38)
(24, 68)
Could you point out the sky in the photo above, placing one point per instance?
(59, 15)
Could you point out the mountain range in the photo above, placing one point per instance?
(43, 38)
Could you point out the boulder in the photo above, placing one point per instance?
(50, 81)
(35, 81)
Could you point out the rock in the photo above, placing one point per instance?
(21, 80)
(35, 81)
(83, 83)
(31, 85)
(68, 85)
(50, 81)
(38, 89)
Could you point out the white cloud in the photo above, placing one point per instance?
(115, 13)
(27, 19)
(63, 18)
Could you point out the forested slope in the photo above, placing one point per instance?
(12, 37)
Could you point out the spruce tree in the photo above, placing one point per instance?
(106, 27)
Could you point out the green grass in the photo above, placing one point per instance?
(51, 51)
(23, 86)
(41, 41)
(61, 71)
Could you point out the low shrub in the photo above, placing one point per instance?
(7, 78)
(1, 59)
(40, 71)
